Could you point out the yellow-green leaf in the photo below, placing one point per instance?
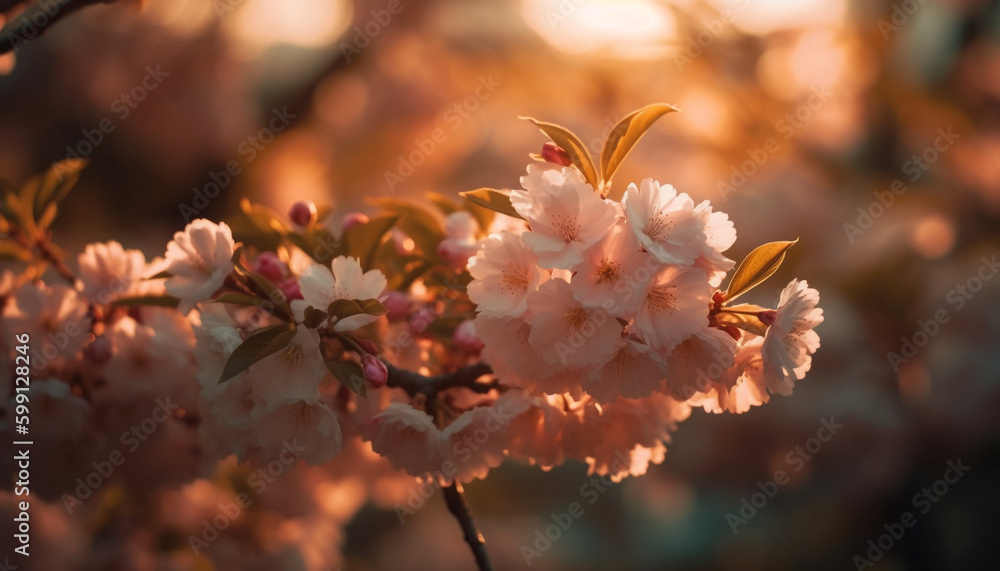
(423, 225)
(757, 267)
(344, 308)
(492, 199)
(12, 250)
(744, 321)
(573, 146)
(626, 134)
(362, 240)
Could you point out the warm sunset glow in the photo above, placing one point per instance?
(305, 23)
(616, 29)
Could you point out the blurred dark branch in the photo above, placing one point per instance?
(36, 19)
(458, 507)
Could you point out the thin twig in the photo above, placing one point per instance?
(455, 500)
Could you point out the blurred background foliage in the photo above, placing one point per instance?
(837, 96)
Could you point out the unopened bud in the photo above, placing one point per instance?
(465, 337)
(767, 317)
(290, 288)
(269, 265)
(354, 219)
(376, 373)
(302, 213)
(555, 154)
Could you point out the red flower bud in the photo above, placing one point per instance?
(270, 266)
(555, 154)
(302, 213)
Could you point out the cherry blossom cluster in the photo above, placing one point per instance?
(619, 300)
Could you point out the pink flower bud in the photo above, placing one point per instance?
(376, 373)
(99, 351)
(302, 213)
(290, 288)
(767, 317)
(466, 339)
(270, 266)
(398, 304)
(353, 219)
(555, 154)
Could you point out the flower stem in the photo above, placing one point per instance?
(455, 499)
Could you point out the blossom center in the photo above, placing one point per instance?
(566, 227)
(513, 280)
(608, 271)
(659, 226)
(576, 318)
(662, 298)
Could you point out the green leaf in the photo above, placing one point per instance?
(152, 300)
(759, 264)
(348, 373)
(314, 317)
(318, 243)
(263, 343)
(573, 146)
(424, 226)
(263, 288)
(626, 133)
(445, 204)
(361, 241)
(342, 308)
(745, 321)
(492, 199)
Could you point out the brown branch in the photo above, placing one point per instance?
(414, 383)
(455, 500)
